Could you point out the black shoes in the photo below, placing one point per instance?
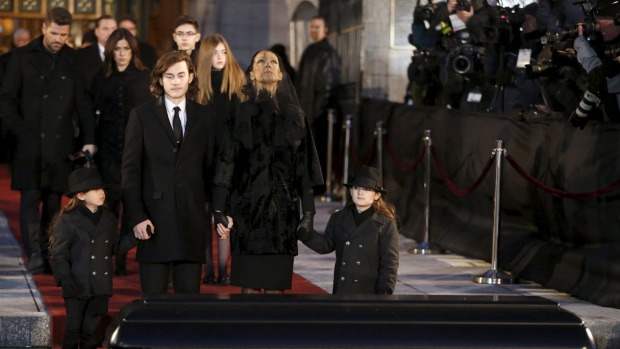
(209, 280)
(222, 281)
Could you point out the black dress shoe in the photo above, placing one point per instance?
(224, 281)
(209, 280)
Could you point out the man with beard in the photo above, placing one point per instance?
(42, 94)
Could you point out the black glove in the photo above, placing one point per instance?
(220, 217)
(306, 226)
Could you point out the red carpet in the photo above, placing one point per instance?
(126, 288)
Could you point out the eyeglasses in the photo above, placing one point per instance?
(181, 34)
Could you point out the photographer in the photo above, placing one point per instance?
(603, 73)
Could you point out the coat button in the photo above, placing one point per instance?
(360, 245)
(355, 281)
(92, 241)
(106, 258)
(106, 273)
(94, 273)
(107, 241)
(92, 257)
(45, 96)
(347, 243)
(42, 135)
(342, 278)
(358, 263)
(174, 150)
(344, 263)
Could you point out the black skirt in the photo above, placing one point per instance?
(269, 272)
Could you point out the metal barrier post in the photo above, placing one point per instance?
(494, 276)
(347, 150)
(379, 131)
(331, 120)
(425, 247)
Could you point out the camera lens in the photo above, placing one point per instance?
(461, 64)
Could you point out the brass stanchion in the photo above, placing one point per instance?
(425, 247)
(379, 132)
(347, 150)
(331, 120)
(494, 276)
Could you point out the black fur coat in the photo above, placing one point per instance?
(266, 160)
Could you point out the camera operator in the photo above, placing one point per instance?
(603, 73)
(557, 15)
(523, 97)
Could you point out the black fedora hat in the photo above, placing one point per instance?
(84, 179)
(367, 177)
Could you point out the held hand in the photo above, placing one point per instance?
(91, 148)
(306, 225)
(222, 231)
(144, 230)
(220, 218)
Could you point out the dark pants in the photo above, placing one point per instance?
(154, 277)
(83, 319)
(34, 227)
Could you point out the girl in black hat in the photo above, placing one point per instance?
(83, 238)
(365, 237)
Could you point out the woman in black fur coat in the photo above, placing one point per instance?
(266, 168)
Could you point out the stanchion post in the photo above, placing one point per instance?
(331, 121)
(379, 131)
(425, 247)
(494, 276)
(347, 150)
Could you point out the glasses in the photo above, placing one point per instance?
(181, 34)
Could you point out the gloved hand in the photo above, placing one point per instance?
(220, 217)
(306, 226)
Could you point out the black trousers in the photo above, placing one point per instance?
(154, 277)
(34, 226)
(83, 319)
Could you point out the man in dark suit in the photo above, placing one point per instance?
(92, 57)
(166, 175)
(41, 96)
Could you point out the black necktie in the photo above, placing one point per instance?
(176, 126)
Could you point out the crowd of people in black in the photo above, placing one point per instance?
(146, 146)
(546, 59)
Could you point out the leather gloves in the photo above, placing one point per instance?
(220, 217)
(306, 226)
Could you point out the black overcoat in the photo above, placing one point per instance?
(114, 97)
(366, 255)
(83, 252)
(43, 108)
(168, 185)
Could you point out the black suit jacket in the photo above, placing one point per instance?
(166, 184)
(91, 62)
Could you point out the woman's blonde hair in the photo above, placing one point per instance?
(233, 76)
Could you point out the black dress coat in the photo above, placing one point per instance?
(42, 107)
(114, 97)
(166, 184)
(366, 255)
(267, 160)
(82, 254)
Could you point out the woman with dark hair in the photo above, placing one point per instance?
(121, 85)
(220, 82)
(268, 165)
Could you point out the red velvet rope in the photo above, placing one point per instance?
(558, 192)
(398, 162)
(355, 155)
(448, 182)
